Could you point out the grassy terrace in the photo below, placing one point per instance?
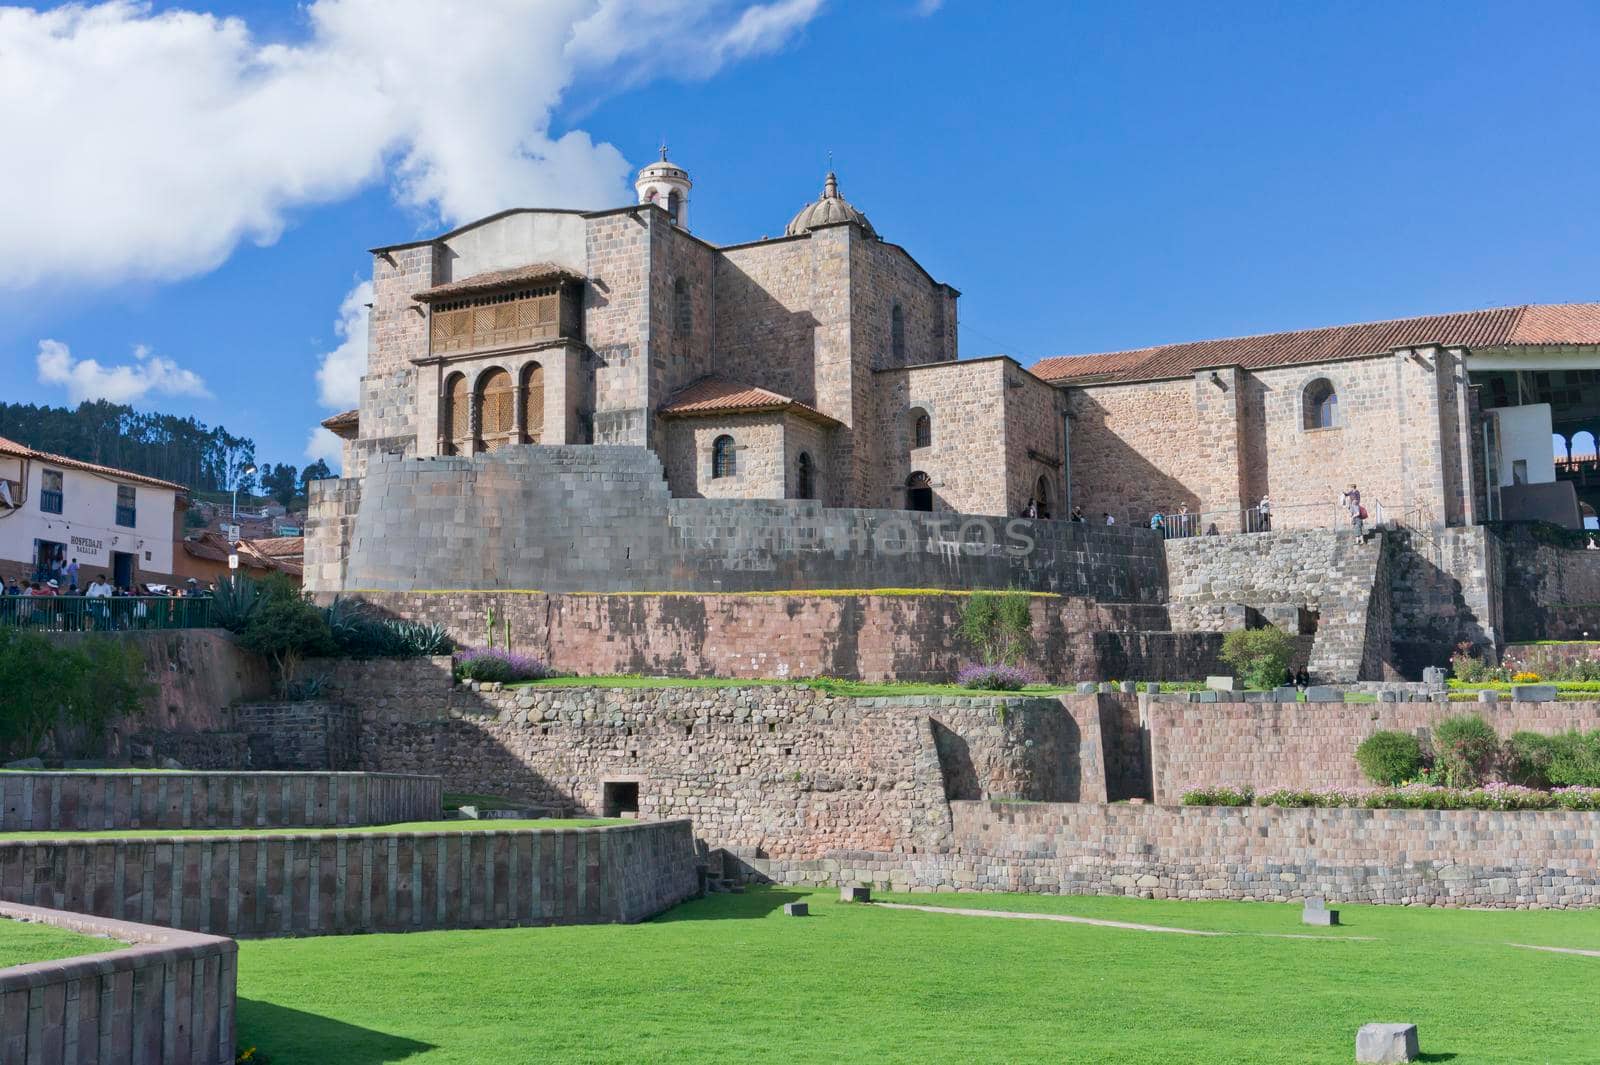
(869, 985)
(849, 688)
(22, 942)
(407, 826)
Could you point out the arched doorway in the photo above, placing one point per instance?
(496, 417)
(919, 492)
(457, 410)
(1041, 497)
(805, 478)
(533, 403)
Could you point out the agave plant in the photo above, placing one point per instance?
(234, 603)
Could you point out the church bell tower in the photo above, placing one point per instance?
(667, 185)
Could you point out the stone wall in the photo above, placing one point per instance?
(86, 800)
(1551, 592)
(310, 734)
(863, 637)
(784, 770)
(1520, 859)
(278, 885)
(604, 522)
(1308, 745)
(167, 996)
(1445, 589)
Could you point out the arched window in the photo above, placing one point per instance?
(1041, 496)
(533, 403)
(919, 492)
(673, 205)
(1321, 405)
(805, 478)
(496, 418)
(457, 405)
(682, 310)
(921, 428)
(897, 334)
(724, 462)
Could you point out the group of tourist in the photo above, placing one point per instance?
(52, 604)
(1182, 523)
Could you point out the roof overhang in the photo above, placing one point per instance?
(1534, 357)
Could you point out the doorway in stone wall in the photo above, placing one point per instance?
(620, 798)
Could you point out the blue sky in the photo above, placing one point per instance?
(1090, 176)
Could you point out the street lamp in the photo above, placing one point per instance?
(247, 471)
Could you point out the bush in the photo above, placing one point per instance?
(1389, 757)
(999, 625)
(1525, 759)
(494, 665)
(1574, 759)
(66, 694)
(1465, 749)
(1219, 797)
(284, 627)
(994, 678)
(1260, 657)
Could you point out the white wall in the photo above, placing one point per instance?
(517, 240)
(87, 523)
(1525, 436)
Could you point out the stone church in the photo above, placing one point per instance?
(822, 365)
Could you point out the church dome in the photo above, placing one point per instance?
(829, 208)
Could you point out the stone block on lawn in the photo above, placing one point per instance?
(1220, 684)
(1286, 693)
(855, 894)
(1321, 693)
(1150, 688)
(1316, 912)
(1087, 687)
(796, 909)
(1488, 697)
(1533, 693)
(1386, 1044)
(1433, 677)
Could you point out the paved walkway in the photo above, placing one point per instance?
(1022, 915)
(1558, 950)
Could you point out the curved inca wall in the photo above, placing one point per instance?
(599, 518)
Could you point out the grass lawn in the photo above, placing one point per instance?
(406, 826)
(23, 941)
(730, 978)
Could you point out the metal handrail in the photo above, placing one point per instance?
(121, 613)
(1178, 526)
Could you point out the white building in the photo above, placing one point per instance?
(112, 521)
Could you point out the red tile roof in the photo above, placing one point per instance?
(346, 421)
(717, 395)
(517, 275)
(11, 447)
(1560, 323)
(286, 553)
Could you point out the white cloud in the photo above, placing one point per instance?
(158, 140)
(129, 383)
(339, 376)
(322, 444)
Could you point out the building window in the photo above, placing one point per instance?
(921, 429)
(674, 203)
(496, 410)
(456, 415)
(723, 461)
(127, 513)
(682, 310)
(50, 491)
(897, 334)
(805, 478)
(919, 492)
(533, 403)
(1321, 405)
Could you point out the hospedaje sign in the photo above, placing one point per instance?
(87, 549)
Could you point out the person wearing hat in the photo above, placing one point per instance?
(51, 587)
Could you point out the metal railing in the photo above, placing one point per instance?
(122, 613)
(1182, 525)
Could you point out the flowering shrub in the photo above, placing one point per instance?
(1466, 748)
(493, 664)
(996, 678)
(1389, 757)
(1410, 797)
(1524, 677)
(1469, 668)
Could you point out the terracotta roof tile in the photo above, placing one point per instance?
(11, 447)
(343, 422)
(717, 395)
(517, 275)
(1566, 323)
(285, 553)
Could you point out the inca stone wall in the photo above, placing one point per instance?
(1501, 859)
(280, 885)
(866, 637)
(1551, 592)
(600, 519)
(310, 734)
(1309, 745)
(84, 800)
(165, 996)
(776, 770)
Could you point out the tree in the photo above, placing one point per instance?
(284, 627)
(317, 471)
(282, 482)
(1261, 657)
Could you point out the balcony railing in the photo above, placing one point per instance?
(49, 502)
(128, 613)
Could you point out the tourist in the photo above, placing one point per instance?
(99, 588)
(1302, 679)
(1158, 523)
(1110, 519)
(1032, 509)
(1264, 508)
(1184, 523)
(72, 573)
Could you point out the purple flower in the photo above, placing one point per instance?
(994, 678)
(493, 664)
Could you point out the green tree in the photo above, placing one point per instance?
(67, 693)
(284, 627)
(281, 482)
(1260, 657)
(999, 625)
(317, 471)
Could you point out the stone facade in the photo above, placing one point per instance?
(1269, 746)
(1505, 860)
(282, 885)
(84, 800)
(164, 996)
(861, 637)
(307, 735)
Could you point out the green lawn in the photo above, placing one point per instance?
(407, 826)
(22, 942)
(730, 978)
